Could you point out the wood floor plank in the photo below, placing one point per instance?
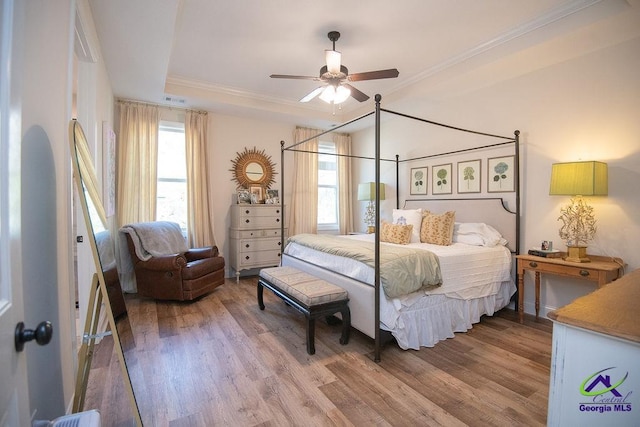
(220, 360)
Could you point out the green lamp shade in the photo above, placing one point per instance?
(579, 179)
(367, 191)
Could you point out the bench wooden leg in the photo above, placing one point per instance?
(260, 299)
(311, 332)
(346, 325)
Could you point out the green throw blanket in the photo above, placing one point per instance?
(402, 270)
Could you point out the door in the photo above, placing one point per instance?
(13, 392)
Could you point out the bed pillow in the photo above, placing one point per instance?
(409, 216)
(395, 233)
(437, 229)
(477, 234)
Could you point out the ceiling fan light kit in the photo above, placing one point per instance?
(334, 75)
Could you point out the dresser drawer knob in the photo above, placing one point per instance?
(247, 221)
(533, 264)
(584, 273)
(278, 253)
(247, 257)
(279, 243)
(247, 245)
(277, 219)
(247, 211)
(278, 211)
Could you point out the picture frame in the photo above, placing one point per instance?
(469, 176)
(418, 181)
(500, 174)
(272, 197)
(243, 196)
(441, 179)
(256, 194)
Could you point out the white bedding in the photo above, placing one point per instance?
(476, 280)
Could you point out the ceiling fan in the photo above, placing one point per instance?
(335, 76)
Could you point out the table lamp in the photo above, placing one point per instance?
(578, 179)
(367, 192)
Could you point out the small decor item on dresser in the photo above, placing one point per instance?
(244, 197)
(272, 197)
(256, 194)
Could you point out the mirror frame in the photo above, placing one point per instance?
(83, 171)
(246, 158)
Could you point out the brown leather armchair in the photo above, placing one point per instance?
(182, 276)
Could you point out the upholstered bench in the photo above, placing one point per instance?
(312, 296)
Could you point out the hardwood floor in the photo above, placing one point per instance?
(222, 361)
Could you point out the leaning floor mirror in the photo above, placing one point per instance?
(105, 294)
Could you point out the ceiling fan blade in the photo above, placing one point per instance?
(355, 93)
(373, 75)
(286, 76)
(312, 94)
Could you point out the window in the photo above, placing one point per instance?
(327, 186)
(171, 202)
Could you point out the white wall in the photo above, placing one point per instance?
(228, 136)
(584, 108)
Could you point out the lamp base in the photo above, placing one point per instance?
(577, 254)
(371, 229)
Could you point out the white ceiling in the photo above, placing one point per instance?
(217, 55)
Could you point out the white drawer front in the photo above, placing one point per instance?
(255, 211)
(259, 258)
(259, 245)
(259, 222)
(250, 234)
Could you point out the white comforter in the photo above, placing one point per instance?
(467, 271)
(476, 280)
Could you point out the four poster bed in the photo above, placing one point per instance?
(451, 285)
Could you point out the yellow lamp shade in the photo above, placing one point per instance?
(579, 179)
(367, 191)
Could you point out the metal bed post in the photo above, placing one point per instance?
(397, 181)
(517, 187)
(282, 216)
(376, 358)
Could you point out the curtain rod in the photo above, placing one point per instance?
(168, 107)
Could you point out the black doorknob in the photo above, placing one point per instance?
(42, 334)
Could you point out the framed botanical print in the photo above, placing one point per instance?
(441, 179)
(418, 181)
(469, 177)
(500, 174)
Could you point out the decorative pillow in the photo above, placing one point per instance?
(395, 233)
(409, 216)
(437, 229)
(478, 234)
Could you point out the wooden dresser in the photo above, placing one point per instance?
(254, 237)
(595, 368)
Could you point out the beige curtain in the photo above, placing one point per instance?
(137, 163)
(199, 210)
(137, 176)
(345, 183)
(304, 197)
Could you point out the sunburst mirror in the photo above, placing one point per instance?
(253, 168)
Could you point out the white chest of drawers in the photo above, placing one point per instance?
(254, 237)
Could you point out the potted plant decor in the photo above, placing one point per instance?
(578, 228)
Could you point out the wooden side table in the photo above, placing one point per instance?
(601, 270)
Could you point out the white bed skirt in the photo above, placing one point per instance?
(438, 317)
(427, 320)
